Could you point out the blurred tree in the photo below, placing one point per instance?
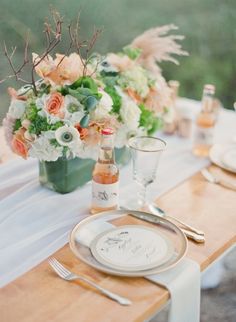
(209, 27)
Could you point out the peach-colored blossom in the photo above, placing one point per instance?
(122, 63)
(82, 131)
(13, 93)
(19, 144)
(63, 70)
(158, 97)
(134, 95)
(54, 104)
(93, 136)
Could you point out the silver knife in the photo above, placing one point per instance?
(156, 220)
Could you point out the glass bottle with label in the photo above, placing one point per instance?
(105, 177)
(205, 123)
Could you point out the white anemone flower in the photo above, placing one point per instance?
(68, 136)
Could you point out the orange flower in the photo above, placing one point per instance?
(60, 71)
(19, 144)
(82, 131)
(55, 104)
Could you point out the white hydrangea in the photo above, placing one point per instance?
(137, 79)
(73, 110)
(104, 106)
(17, 108)
(124, 133)
(42, 148)
(130, 114)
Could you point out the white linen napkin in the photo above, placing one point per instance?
(182, 281)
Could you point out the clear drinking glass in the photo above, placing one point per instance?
(146, 152)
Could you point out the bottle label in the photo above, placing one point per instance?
(105, 195)
(204, 136)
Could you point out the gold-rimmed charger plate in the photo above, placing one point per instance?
(216, 155)
(117, 218)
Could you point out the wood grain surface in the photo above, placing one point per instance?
(40, 296)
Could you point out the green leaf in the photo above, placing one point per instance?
(76, 94)
(90, 103)
(85, 121)
(17, 125)
(116, 98)
(149, 121)
(105, 73)
(86, 82)
(38, 125)
(31, 111)
(132, 52)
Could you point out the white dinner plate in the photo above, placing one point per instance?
(217, 155)
(132, 248)
(89, 231)
(229, 158)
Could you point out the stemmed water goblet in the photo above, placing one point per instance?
(146, 152)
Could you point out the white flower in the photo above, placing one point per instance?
(68, 136)
(17, 108)
(88, 151)
(121, 136)
(104, 106)
(42, 148)
(73, 110)
(124, 133)
(130, 113)
(135, 78)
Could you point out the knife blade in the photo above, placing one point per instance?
(155, 219)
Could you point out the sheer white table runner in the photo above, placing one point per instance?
(35, 222)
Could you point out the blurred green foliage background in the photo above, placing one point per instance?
(208, 25)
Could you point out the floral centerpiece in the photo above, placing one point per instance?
(58, 118)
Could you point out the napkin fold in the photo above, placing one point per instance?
(182, 281)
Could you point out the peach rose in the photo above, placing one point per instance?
(19, 144)
(63, 70)
(55, 104)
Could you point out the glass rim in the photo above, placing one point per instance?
(148, 137)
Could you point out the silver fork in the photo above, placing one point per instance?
(67, 275)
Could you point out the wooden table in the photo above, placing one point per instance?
(40, 296)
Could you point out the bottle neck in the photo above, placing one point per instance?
(106, 153)
(208, 99)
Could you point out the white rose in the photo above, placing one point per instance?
(104, 106)
(17, 108)
(130, 114)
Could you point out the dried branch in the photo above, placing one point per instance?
(82, 45)
(16, 71)
(53, 36)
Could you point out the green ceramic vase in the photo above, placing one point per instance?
(65, 175)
